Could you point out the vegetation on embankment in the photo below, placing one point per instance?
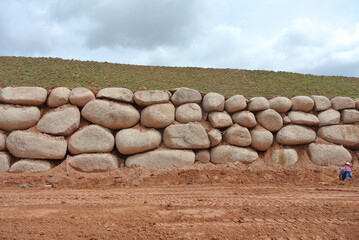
(55, 72)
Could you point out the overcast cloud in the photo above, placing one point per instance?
(307, 36)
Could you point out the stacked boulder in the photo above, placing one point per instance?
(168, 129)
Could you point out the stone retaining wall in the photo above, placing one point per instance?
(115, 127)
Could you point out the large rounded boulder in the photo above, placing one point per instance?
(328, 154)
(329, 117)
(63, 121)
(280, 104)
(244, 118)
(213, 102)
(235, 103)
(14, 117)
(95, 162)
(149, 97)
(113, 115)
(91, 139)
(347, 135)
(162, 158)
(30, 165)
(116, 94)
(303, 118)
(295, 135)
(262, 139)
(58, 96)
(5, 161)
(220, 119)
(270, 120)
(186, 95)
(186, 136)
(321, 103)
(133, 140)
(23, 95)
(23, 144)
(189, 112)
(238, 135)
(158, 115)
(80, 96)
(302, 103)
(258, 104)
(228, 153)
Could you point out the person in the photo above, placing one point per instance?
(346, 172)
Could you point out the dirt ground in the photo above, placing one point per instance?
(203, 201)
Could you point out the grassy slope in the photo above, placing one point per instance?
(54, 72)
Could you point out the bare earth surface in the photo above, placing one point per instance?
(203, 201)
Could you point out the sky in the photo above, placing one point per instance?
(306, 36)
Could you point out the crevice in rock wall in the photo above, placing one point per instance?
(114, 128)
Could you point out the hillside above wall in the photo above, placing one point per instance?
(55, 72)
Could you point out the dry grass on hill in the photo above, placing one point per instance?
(54, 72)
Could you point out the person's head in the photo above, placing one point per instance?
(347, 163)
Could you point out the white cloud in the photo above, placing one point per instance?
(306, 36)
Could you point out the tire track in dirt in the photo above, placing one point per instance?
(187, 212)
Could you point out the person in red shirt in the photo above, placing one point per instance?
(346, 172)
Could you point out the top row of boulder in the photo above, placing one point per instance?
(37, 96)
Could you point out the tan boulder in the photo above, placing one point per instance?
(235, 103)
(186, 136)
(295, 135)
(80, 96)
(350, 116)
(132, 140)
(302, 103)
(329, 117)
(189, 112)
(95, 162)
(116, 94)
(162, 158)
(258, 104)
(213, 102)
(284, 157)
(347, 135)
(30, 165)
(203, 156)
(238, 135)
(13, 117)
(91, 139)
(220, 119)
(113, 115)
(262, 139)
(63, 120)
(23, 95)
(328, 154)
(5, 161)
(321, 103)
(23, 144)
(270, 120)
(244, 118)
(340, 103)
(356, 103)
(186, 95)
(58, 96)
(228, 153)
(158, 115)
(280, 104)
(303, 118)
(215, 137)
(3, 137)
(149, 97)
